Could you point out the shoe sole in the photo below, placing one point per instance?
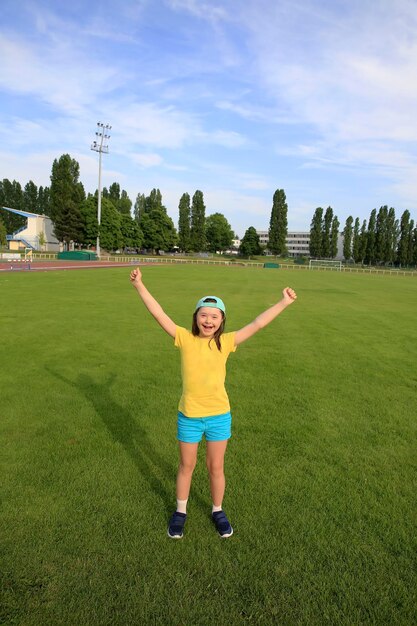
(175, 536)
(226, 536)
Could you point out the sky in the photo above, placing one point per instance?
(234, 98)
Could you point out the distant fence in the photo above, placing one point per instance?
(254, 264)
(175, 261)
(172, 260)
(45, 256)
(10, 256)
(364, 270)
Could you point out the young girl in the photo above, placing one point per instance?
(204, 406)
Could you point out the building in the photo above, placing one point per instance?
(235, 246)
(263, 237)
(298, 243)
(37, 234)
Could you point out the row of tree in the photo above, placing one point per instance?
(324, 233)
(30, 198)
(74, 215)
(382, 240)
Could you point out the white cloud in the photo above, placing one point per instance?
(379, 156)
(405, 188)
(58, 77)
(17, 132)
(204, 10)
(149, 124)
(35, 166)
(258, 183)
(177, 168)
(241, 209)
(228, 139)
(352, 79)
(244, 108)
(147, 159)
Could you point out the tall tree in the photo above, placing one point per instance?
(30, 197)
(410, 254)
(316, 237)
(88, 210)
(114, 194)
(137, 235)
(184, 224)
(111, 237)
(327, 226)
(131, 232)
(158, 230)
(3, 234)
(403, 244)
(124, 204)
(392, 229)
(219, 233)
(356, 241)
(154, 201)
(278, 225)
(363, 242)
(381, 236)
(66, 194)
(198, 222)
(414, 246)
(334, 237)
(115, 232)
(43, 201)
(140, 206)
(370, 239)
(11, 196)
(347, 238)
(250, 245)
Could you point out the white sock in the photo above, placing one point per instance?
(216, 508)
(182, 506)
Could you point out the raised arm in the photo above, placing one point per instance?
(151, 304)
(288, 297)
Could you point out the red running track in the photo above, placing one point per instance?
(13, 266)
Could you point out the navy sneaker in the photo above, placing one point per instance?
(176, 525)
(222, 524)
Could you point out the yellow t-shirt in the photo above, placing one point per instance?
(203, 370)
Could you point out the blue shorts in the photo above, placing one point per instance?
(215, 428)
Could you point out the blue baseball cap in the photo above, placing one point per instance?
(212, 301)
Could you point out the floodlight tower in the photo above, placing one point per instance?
(100, 147)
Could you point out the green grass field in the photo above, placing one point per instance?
(321, 468)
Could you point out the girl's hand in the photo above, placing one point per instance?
(289, 295)
(135, 276)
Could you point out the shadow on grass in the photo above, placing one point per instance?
(124, 429)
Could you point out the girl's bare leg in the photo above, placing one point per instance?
(215, 465)
(188, 459)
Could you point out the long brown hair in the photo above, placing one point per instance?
(196, 331)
